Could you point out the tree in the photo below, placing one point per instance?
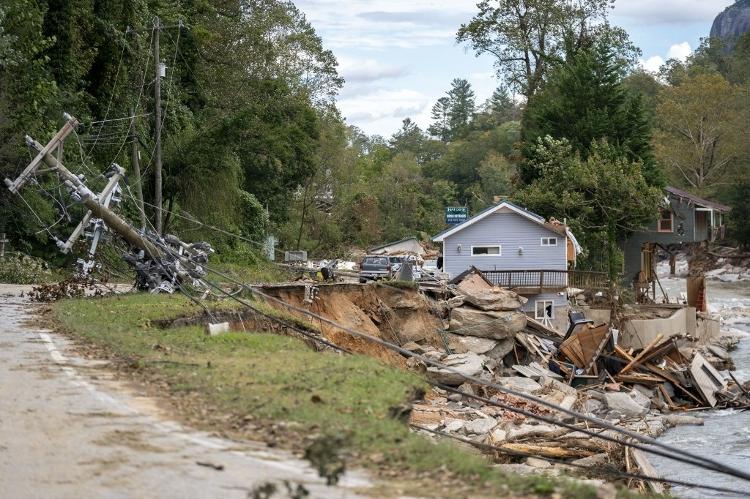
(462, 106)
(526, 36)
(585, 101)
(408, 139)
(701, 132)
(440, 127)
(452, 114)
(604, 197)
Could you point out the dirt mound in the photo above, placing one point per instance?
(392, 314)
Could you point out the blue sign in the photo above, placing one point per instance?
(456, 215)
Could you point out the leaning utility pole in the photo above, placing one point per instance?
(157, 116)
(136, 163)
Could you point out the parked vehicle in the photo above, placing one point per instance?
(374, 268)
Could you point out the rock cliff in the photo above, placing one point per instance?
(732, 23)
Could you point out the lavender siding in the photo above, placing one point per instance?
(511, 231)
(559, 299)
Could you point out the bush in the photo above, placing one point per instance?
(24, 269)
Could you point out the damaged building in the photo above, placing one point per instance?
(517, 249)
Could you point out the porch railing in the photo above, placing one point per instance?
(547, 280)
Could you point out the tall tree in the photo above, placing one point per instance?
(604, 197)
(526, 36)
(462, 106)
(585, 101)
(702, 133)
(440, 126)
(409, 138)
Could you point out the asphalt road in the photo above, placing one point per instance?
(68, 429)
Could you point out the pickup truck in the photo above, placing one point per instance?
(373, 268)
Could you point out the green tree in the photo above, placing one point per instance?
(604, 197)
(701, 135)
(462, 107)
(585, 101)
(526, 37)
(409, 138)
(440, 127)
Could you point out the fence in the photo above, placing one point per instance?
(547, 279)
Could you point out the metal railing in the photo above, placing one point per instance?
(547, 279)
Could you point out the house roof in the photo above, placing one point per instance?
(394, 243)
(558, 229)
(698, 200)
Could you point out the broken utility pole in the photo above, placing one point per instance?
(157, 116)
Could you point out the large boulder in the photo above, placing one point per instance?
(464, 344)
(467, 364)
(622, 404)
(494, 299)
(486, 324)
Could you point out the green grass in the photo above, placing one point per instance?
(274, 378)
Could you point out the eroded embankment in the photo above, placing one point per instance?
(393, 314)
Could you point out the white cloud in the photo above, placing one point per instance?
(679, 51)
(670, 11)
(652, 64)
(368, 70)
(379, 24)
(383, 104)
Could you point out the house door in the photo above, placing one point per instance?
(701, 225)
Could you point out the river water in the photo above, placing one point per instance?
(726, 434)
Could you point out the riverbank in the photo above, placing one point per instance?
(725, 435)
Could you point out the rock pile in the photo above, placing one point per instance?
(482, 326)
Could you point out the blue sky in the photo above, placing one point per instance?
(399, 57)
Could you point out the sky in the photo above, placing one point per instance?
(398, 57)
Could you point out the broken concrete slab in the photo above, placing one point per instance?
(484, 324)
(494, 299)
(467, 364)
(622, 404)
(520, 384)
(463, 344)
(480, 426)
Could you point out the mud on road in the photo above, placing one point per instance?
(69, 429)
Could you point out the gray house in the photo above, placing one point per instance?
(517, 249)
(682, 218)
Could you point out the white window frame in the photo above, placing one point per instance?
(548, 241)
(498, 246)
(544, 307)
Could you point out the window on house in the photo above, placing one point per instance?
(545, 309)
(486, 250)
(549, 241)
(666, 220)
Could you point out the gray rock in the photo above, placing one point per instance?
(623, 404)
(732, 23)
(467, 364)
(463, 344)
(502, 348)
(528, 430)
(593, 406)
(494, 299)
(649, 393)
(679, 420)
(455, 302)
(640, 399)
(498, 436)
(520, 384)
(591, 461)
(485, 324)
(535, 462)
(557, 385)
(454, 426)
(480, 426)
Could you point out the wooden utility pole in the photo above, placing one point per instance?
(90, 201)
(157, 116)
(3, 240)
(136, 163)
